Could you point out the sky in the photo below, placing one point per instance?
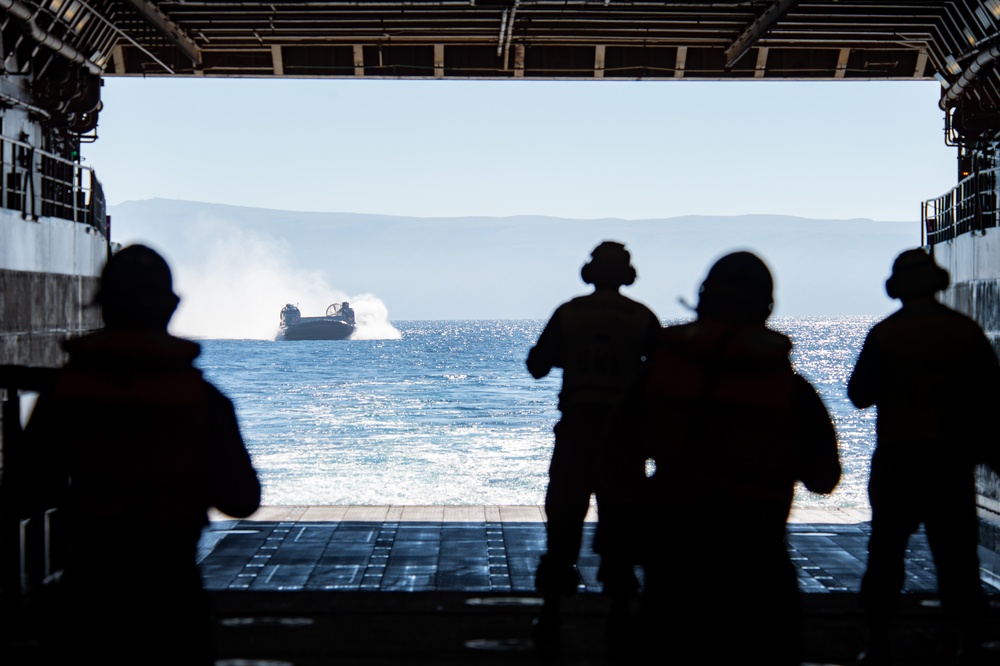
(583, 149)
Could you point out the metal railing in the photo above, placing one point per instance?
(38, 183)
(970, 207)
(31, 540)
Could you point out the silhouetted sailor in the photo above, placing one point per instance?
(935, 381)
(136, 446)
(600, 341)
(732, 428)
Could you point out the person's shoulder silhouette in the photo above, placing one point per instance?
(935, 380)
(602, 341)
(136, 446)
(732, 428)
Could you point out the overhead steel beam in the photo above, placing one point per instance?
(278, 62)
(921, 64)
(169, 29)
(359, 59)
(761, 68)
(680, 63)
(757, 29)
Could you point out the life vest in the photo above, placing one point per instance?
(604, 341)
(134, 432)
(718, 418)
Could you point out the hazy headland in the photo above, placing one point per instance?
(235, 267)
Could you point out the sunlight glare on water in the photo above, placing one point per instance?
(448, 414)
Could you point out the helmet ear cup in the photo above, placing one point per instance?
(890, 289)
(587, 273)
(630, 276)
(915, 274)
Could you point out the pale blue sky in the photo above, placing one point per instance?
(588, 149)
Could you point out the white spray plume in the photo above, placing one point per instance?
(237, 281)
(372, 319)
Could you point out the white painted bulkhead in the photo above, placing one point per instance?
(50, 245)
(973, 262)
(970, 257)
(49, 272)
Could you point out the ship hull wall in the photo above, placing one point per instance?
(973, 262)
(49, 272)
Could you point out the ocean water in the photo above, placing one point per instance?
(444, 412)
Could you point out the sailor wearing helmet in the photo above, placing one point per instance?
(601, 341)
(935, 380)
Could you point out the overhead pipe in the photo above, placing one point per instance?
(758, 29)
(26, 16)
(969, 74)
(503, 29)
(510, 32)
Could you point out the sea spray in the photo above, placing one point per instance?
(233, 283)
(372, 317)
(236, 284)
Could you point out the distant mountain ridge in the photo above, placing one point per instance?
(252, 260)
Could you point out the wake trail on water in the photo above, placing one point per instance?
(448, 415)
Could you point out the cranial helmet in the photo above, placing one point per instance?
(136, 289)
(609, 265)
(915, 274)
(738, 287)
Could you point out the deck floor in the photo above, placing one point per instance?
(453, 585)
(475, 549)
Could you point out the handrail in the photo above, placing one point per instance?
(969, 207)
(28, 558)
(37, 182)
